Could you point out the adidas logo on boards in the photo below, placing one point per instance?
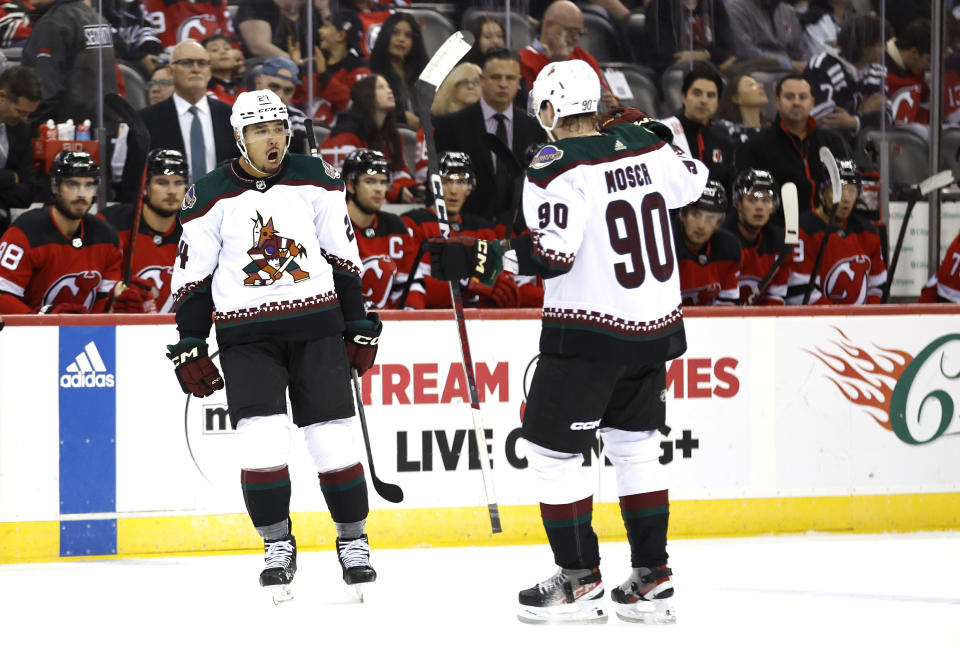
(87, 370)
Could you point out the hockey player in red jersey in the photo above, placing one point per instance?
(761, 242)
(178, 20)
(386, 247)
(159, 230)
(611, 319)
(708, 257)
(944, 286)
(59, 258)
(852, 270)
(508, 290)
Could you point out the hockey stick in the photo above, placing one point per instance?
(311, 137)
(791, 234)
(826, 157)
(140, 135)
(389, 492)
(410, 278)
(425, 88)
(934, 182)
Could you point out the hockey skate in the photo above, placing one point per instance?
(280, 558)
(646, 597)
(569, 596)
(354, 556)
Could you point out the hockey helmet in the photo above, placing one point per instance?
(849, 175)
(713, 198)
(73, 164)
(166, 162)
(572, 88)
(255, 107)
(366, 161)
(455, 163)
(754, 180)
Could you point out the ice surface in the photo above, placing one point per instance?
(815, 591)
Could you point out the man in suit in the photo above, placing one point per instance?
(464, 131)
(20, 94)
(189, 121)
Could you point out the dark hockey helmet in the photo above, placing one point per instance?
(713, 198)
(753, 180)
(73, 164)
(366, 161)
(849, 174)
(166, 162)
(455, 163)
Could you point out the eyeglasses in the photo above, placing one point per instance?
(187, 63)
(160, 83)
(574, 33)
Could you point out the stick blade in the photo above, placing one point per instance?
(936, 181)
(791, 213)
(390, 492)
(446, 58)
(826, 157)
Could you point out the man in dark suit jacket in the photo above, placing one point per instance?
(20, 94)
(498, 189)
(171, 122)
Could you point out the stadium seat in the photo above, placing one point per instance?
(636, 27)
(646, 97)
(909, 155)
(409, 147)
(949, 150)
(12, 54)
(320, 132)
(435, 27)
(522, 31)
(134, 85)
(599, 39)
(670, 84)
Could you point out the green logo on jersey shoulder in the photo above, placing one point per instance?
(189, 198)
(546, 156)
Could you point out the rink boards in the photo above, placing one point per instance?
(825, 419)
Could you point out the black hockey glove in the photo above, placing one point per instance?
(460, 257)
(195, 371)
(361, 338)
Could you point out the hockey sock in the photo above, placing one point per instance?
(646, 515)
(351, 530)
(571, 535)
(345, 492)
(267, 496)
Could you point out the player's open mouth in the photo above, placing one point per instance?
(273, 155)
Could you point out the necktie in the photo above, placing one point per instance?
(502, 175)
(198, 152)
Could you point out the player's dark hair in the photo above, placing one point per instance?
(793, 76)
(20, 81)
(386, 137)
(702, 70)
(218, 36)
(476, 28)
(499, 54)
(916, 35)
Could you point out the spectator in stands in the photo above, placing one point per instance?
(399, 56)
(338, 65)
(693, 130)
(223, 84)
(822, 22)
(681, 32)
(495, 115)
(560, 31)
(280, 75)
(944, 286)
(708, 257)
(135, 40)
(372, 14)
(160, 85)
(62, 48)
(488, 32)
(189, 121)
(755, 198)
(194, 19)
(20, 94)
(908, 61)
(852, 270)
(768, 29)
(271, 27)
(15, 24)
(742, 106)
(371, 123)
(848, 86)
(460, 89)
(791, 143)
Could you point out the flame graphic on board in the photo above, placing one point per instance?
(864, 378)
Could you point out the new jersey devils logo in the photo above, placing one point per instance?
(846, 282)
(80, 288)
(378, 274)
(160, 277)
(196, 27)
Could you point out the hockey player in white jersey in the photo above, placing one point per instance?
(597, 205)
(268, 256)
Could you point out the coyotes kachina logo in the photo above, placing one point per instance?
(272, 255)
(910, 396)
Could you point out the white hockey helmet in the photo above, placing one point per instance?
(572, 88)
(254, 107)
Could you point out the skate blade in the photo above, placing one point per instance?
(662, 613)
(572, 613)
(358, 590)
(279, 593)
